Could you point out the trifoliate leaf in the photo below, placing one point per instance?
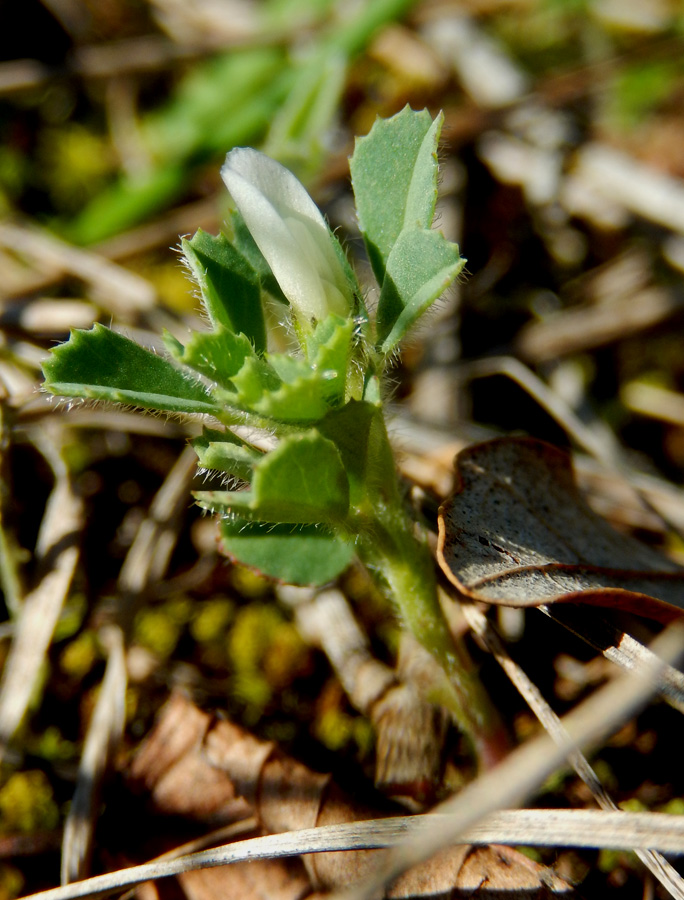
(329, 350)
(293, 390)
(218, 355)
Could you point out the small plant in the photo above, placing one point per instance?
(329, 488)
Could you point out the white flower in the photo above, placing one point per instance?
(290, 232)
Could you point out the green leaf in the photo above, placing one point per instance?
(306, 554)
(102, 365)
(420, 268)
(394, 175)
(226, 452)
(359, 433)
(293, 390)
(329, 350)
(230, 287)
(302, 481)
(223, 100)
(301, 401)
(218, 355)
(128, 200)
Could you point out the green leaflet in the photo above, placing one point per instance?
(394, 175)
(230, 287)
(225, 452)
(420, 268)
(297, 133)
(328, 350)
(290, 389)
(394, 172)
(302, 481)
(218, 355)
(102, 365)
(304, 554)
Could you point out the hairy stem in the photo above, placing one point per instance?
(406, 565)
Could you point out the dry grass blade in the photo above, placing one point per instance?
(104, 733)
(619, 647)
(121, 292)
(641, 189)
(151, 550)
(57, 551)
(602, 447)
(525, 769)
(654, 862)
(572, 828)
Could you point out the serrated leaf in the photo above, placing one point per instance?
(230, 287)
(291, 390)
(299, 402)
(225, 452)
(218, 355)
(102, 365)
(306, 554)
(394, 175)
(302, 481)
(420, 268)
(329, 349)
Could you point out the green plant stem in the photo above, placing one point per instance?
(405, 563)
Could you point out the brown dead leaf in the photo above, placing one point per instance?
(191, 760)
(518, 533)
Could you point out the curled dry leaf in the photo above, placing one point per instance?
(212, 771)
(517, 532)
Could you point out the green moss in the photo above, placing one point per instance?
(265, 652)
(76, 162)
(633, 805)
(334, 729)
(72, 617)
(674, 807)
(157, 631)
(248, 583)
(51, 745)
(211, 620)
(11, 882)
(78, 657)
(27, 804)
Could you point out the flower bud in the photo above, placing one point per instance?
(290, 231)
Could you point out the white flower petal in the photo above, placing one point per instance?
(290, 231)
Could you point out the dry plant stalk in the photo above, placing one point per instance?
(659, 867)
(57, 552)
(410, 730)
